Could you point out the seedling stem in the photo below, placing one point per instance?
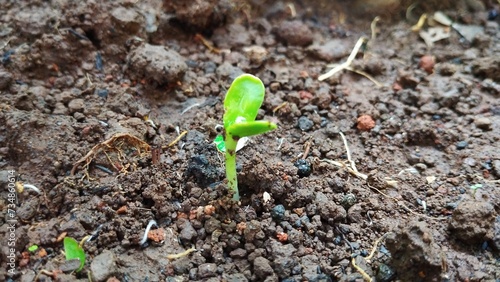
(241, 105)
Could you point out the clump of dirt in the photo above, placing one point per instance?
(201, 15)
(415, 254)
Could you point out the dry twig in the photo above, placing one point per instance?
(182, 254)
(350, 165)
(347, 63)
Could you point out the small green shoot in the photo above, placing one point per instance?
(241, 105)
(33, 248)
(74, 250)
(475, 187)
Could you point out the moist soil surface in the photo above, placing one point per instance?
(109, 109)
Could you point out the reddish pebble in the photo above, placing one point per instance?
(365, 123)
(209, 209)
(397, 87)
(157, 235)
(42, 253)
(24, 262)
(122, 210)
(305, 95)
(427, 63)
(282, 237)
(240, 227)
(193, 214)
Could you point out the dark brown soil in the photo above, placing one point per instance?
(95, 94)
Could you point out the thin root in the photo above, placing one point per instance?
(368, 258)
(373, 27)
(281, 141)
(277, 108)
(405, 206)
(362, 73)
(177, 139)
(293, 12)
(351, 165)
(347, 63)
(5, 44)
(361, 271)
(421, 21)
(375, 246)
(85, 239)
(182, 254)
(306, 150)
(409, 11)
(150, 121)
(52, 274)
(207, 43)
(190, 107)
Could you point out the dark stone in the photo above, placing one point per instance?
(5, 79)
(203, 172)
(462, 145)
(188, 232)
(305, 124)
(262, 267)
(278, 212)
(207, 270)
(348, 201)
(295, 33)
(385, 273)
(303, 168)
(103, 93)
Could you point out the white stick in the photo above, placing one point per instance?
(145, 237)
(32, 187)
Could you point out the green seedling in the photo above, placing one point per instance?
(475, 187)
(33, 248)
(73, 250)
(241, 105)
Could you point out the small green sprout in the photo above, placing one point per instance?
(241, 105)
(74, 250)
(475, 187)
(33, 248)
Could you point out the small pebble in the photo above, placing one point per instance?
(348, 201)
(483, 122)
(470, 161)
(492, 14)
(5, 79)
(365, 123)
(451, 206)
(103, 93)
(295, 33)
(462, 145)
(427, 63)
(278, 212)
(304, 168)
(385, 273)
(305, 124)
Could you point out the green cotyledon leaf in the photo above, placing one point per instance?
(243, 99)
(221, 145)
(245, 129)
(74, 251)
